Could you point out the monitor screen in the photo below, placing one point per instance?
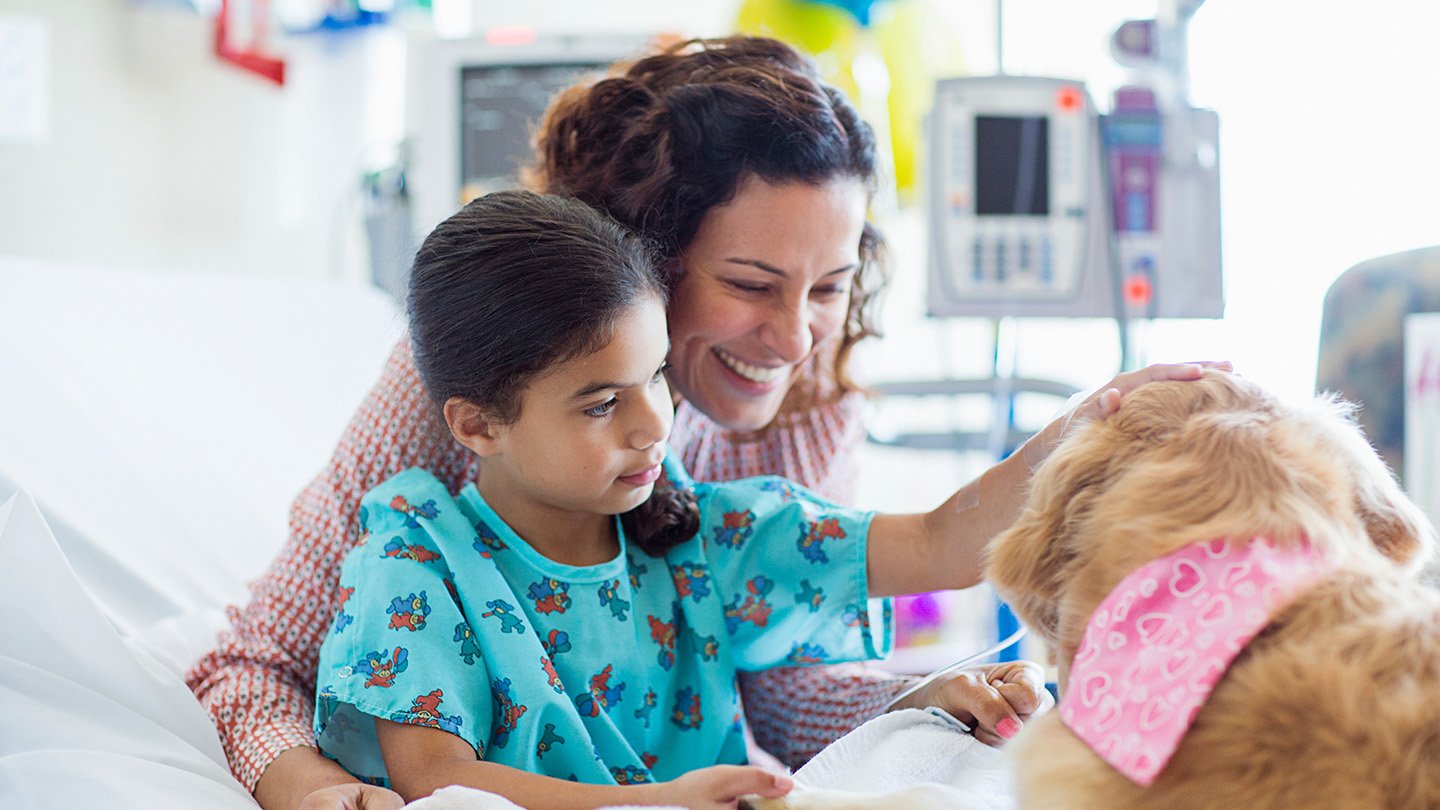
(500, 106)
(1012, 165)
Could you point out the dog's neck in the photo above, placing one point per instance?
(1159, 642)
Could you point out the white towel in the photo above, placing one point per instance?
(908, 758)
(904, 759)
(464, 798)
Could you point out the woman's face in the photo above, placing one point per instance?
(766, 280)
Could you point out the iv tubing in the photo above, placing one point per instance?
(963, 662)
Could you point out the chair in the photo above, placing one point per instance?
(1362, 352)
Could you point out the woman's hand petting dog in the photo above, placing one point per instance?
(995, 700)
(1105, 400)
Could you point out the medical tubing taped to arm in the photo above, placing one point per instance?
(963, 662)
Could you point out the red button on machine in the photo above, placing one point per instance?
(1068, 99)
(1138, 290)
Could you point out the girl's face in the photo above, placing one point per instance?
(591, 432)
(766, 280)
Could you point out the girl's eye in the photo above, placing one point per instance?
(603, 409)
(828, 290)
(660, 373)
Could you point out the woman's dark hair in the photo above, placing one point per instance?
(664, 139)
(516, 282)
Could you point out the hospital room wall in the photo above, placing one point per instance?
(158, 155)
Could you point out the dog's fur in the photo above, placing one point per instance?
(1337, 702)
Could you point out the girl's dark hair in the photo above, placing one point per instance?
(664, 139)
(516, 282)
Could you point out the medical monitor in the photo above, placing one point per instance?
(473, 104)
(1039, 206)
(1011, 197)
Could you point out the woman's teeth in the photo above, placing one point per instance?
(749, 372)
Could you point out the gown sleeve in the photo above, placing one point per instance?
(401, 648)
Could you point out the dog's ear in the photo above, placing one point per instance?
(1028, 563)
(1394, 523)
(1025, 565)
(1396, 526)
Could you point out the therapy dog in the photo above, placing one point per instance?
(1228, 585)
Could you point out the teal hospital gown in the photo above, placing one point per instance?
(617, 673)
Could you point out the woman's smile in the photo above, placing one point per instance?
(766, 376)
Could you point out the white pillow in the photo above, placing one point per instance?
(165, 421)
(86, 721)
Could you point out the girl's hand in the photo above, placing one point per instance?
(719, 787)
(353, 796)
(995, 699)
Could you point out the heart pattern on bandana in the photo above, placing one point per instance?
(1160, 641)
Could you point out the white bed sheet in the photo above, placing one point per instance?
(85, 718)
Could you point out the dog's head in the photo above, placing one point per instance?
(1182, 462)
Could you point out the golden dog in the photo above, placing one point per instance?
(1336, 701)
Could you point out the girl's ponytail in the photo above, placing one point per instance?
(669, 517)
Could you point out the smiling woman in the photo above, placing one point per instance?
(765, 288)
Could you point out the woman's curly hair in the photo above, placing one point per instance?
(663, 139)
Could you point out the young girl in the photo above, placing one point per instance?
(518, 636)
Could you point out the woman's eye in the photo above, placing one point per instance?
(749, 287)
(603, 409)
(829, 290)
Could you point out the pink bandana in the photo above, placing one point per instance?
(1161, 640)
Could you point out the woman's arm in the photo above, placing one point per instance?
(421, 760)
(258, 684)
(794, 712)
(945, 548)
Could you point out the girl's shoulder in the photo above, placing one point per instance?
(404, 498)
(761, 493)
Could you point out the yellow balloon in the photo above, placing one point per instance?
(903, 36)
(827, 33)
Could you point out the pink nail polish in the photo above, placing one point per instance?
(1007, 728)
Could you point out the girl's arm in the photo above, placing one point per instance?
(421, 760)
(945, 548)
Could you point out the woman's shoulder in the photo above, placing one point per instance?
(764, 494)
(814, 446)
(412, 479)
(397, 427)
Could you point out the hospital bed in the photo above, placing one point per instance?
(153, 429)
